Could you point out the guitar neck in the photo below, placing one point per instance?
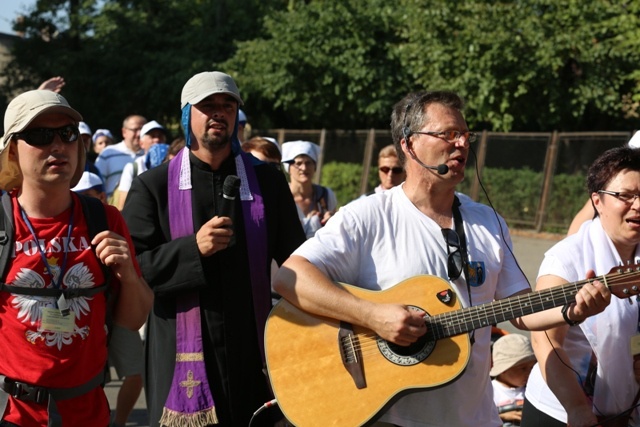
(467, 319)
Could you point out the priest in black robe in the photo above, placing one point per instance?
(214, 262)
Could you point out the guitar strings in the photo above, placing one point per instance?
(461, 321)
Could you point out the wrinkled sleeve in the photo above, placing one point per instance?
(169, 266)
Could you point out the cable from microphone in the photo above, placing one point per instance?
(230, 190)
(442, 169)
(267, 405)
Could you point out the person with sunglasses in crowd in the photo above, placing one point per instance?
(390, 170)
(54, 305)
(421, 227)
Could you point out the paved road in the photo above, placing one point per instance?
(529, 250)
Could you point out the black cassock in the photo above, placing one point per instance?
(234, 366)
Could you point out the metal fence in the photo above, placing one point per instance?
(549, 153)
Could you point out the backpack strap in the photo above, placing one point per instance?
(7, 231)
(320, 198)
(95, 215)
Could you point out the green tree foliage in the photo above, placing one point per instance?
(122, 57)
(524, 65)
(521, 64)
(327, 63)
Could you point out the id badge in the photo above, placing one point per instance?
(54, 321)
(476, 273)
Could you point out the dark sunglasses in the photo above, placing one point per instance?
(39, 137)
(385, 170)
(454, 259)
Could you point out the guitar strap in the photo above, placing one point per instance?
(459, 226)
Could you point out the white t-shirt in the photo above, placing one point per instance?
(127, 173)
(378, 241)
(590, 249)
(504, 395)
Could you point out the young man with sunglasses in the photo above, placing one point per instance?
(54, 304)
(420, 227)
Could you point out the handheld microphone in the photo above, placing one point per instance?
(229, 193)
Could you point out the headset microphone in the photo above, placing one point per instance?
(442, 169)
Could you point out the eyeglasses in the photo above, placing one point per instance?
(454, 259)
(306, 163)
(39, 137)
(451, 135)
(134, 130)
(396, 170)
(629, 198)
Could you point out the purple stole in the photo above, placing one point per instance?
(190, 401)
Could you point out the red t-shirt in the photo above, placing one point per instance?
(56, 359)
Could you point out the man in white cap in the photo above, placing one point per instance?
(113, 158)
(152, 133)
(54, 339)
(207, 259)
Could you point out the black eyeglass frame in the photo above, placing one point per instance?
(41, 137)
(623, 196)
(455, 263)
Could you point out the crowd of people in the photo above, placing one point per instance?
(162, 260)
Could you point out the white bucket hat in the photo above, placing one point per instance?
(293, 149)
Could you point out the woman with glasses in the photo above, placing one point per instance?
(586, 372)
(316, 203)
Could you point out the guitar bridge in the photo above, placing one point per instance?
(351, 355)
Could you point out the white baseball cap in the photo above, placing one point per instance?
(149, 126)
(84, 129)
(208, 83)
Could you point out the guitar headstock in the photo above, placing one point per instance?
(623, 281)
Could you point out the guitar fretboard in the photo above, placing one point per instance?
(470, 318)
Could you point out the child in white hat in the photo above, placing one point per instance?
(513, 359)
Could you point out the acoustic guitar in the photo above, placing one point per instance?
(325, 372)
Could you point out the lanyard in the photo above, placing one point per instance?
(61, 303)
(457, 219)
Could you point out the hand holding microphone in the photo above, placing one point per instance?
(217, 233)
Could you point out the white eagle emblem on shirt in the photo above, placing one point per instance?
(30, 307)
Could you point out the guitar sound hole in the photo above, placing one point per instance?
(407, 355)
(410, 349)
